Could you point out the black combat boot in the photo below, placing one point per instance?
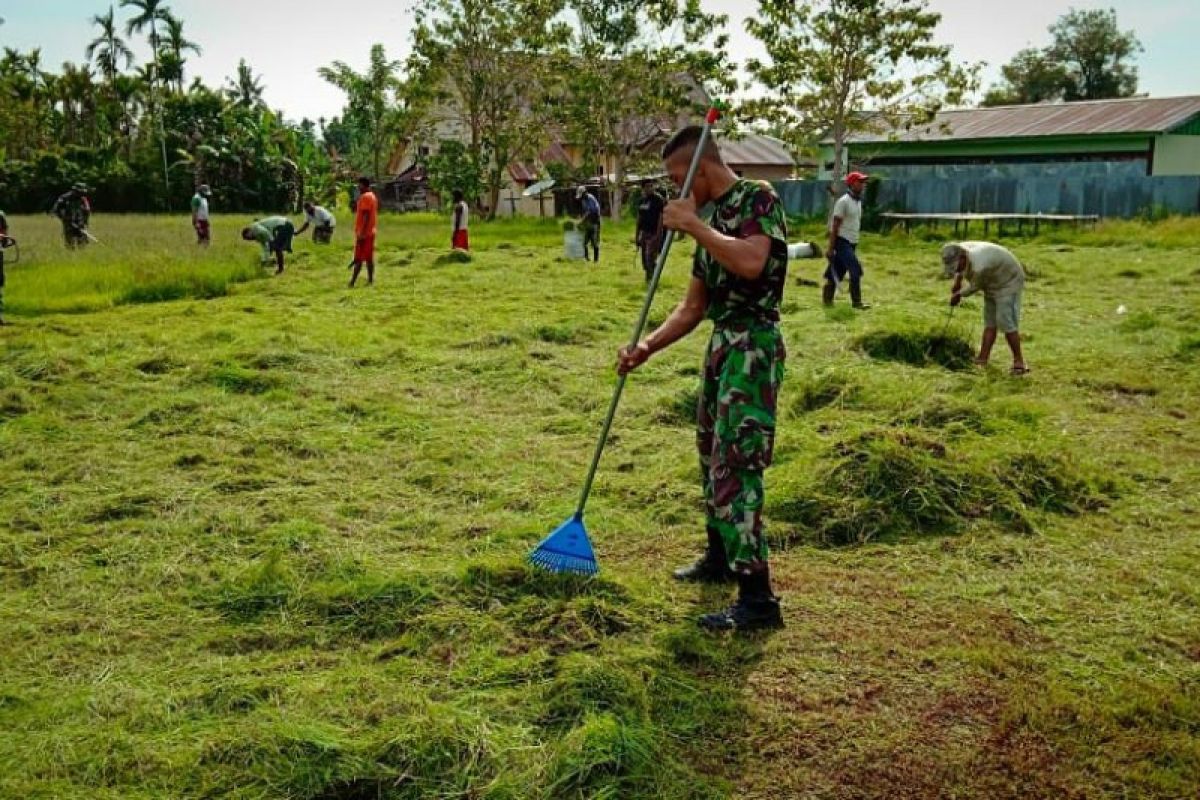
(856, 295)
(827, 293)
(756, 608)
(710, 567)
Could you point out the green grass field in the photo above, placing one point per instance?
(264, 537)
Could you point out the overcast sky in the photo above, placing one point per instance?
(285, 42)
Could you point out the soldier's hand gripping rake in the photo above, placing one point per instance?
(568, 548)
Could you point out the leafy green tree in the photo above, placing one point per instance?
(1096, 55)
(1090, 58)
(840, 67)
(453, 168)
(486, 60)
(383, 111)
(633, 68)
(1033, 76)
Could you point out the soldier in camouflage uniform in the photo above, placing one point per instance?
(738, 276)
(74, 210)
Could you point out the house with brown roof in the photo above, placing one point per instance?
(1151, 136)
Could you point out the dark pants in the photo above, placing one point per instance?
(591, 235)
(282, 240)
(844, 262)
(322, 234)
(74, 235)
(650, 246)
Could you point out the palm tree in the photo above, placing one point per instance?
(149, 14)
(174, 46)
(109, 49)
(247, 89)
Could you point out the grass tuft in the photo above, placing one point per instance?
(243, 381)
(823, 388)
(888, 483)
(453, 257)
(918, 348)
(679, 408)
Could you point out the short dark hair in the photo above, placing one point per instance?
(686, 139)
(364, 181)
(458, 195)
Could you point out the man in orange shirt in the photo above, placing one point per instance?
(366, 219)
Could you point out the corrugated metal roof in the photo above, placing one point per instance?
(1088, 118)
(755, 148)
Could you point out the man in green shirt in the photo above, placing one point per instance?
(274, 235)
(738, 274)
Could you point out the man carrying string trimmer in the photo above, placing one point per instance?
(74, 210)
(738, 275)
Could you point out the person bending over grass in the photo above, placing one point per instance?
(738, 274)
(321, 219)
(274, 235)
(366, 222)
(995, 271)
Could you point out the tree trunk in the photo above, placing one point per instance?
(618, 194)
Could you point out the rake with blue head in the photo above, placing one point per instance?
(568, 548)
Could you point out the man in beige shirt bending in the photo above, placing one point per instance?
(993, 270)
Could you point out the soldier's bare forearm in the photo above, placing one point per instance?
(680, 323)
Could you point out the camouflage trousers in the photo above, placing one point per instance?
(735, 435)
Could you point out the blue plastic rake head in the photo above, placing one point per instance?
(567, 548)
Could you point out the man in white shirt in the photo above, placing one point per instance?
(200, 220)
(459, 239)
(321, 219)
(995, 271)
(844, 226)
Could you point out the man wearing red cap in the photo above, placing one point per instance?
(844, 226)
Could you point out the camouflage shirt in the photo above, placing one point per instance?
(749, 208)
(73, 209)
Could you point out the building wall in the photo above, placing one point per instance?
(1177, 155)
(762, 172)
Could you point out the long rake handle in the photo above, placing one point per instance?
(713, 115)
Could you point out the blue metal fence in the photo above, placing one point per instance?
(1109, 189)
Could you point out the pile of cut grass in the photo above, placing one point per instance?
(918, 348)
(886, 483)
(594, 721)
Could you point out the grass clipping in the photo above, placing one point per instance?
(918, 348)
(889, 483)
